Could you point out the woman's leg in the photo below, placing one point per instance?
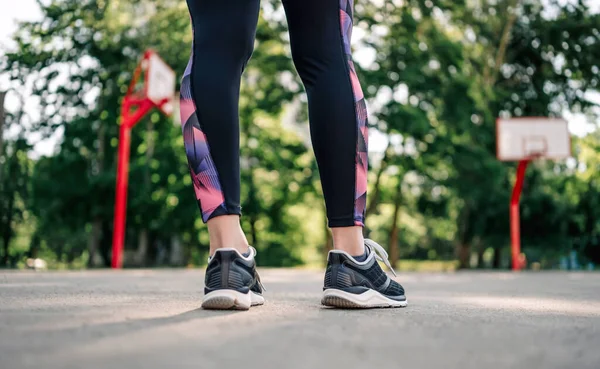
(320, 32)
(223, 42)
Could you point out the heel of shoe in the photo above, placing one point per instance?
(227, 300)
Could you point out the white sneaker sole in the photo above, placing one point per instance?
(231, 300)
(366, 300)
(256, 299)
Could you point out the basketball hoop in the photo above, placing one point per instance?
(158, 91)
(535, 155)
(532, 138)
(524, 140)
(535, 147)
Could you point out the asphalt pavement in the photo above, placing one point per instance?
(151, 319)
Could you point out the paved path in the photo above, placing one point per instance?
(150, 319)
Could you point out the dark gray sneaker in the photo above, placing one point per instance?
(231, 281)
(353, 284)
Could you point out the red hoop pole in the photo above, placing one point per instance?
(121, 196)
(133, 109)
(515, 228)
(127, 122)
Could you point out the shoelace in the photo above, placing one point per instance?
(253, 254)
(262, 286)
(380, 254)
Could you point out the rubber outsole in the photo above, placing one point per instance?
(256, 299)
(231, 300)
(226, 300)
(368, 300)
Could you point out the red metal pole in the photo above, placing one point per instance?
(128, 120)
(515, 231)
(121, 195)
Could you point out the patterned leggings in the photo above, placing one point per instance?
(320, 32)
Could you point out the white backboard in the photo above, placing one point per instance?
(527, 138)
(160, 80)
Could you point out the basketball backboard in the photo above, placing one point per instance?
(529, 138)
(160, 83)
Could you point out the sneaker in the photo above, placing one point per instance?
(231, 281)
(353, 284)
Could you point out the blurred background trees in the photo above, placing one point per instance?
(437, 75)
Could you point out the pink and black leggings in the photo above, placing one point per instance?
(320, 32)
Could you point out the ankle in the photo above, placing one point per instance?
(226, 232)
(349, 239)
(241, 247)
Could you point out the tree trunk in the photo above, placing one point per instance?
(463, 246)
(253, 232)
(94, 243)
(2, 121)
(70, 258)
(480, 262)
(491, 76)
(394, 254)
(393, 238)
(142, 249)
(5, 236)
(34, 246)
(8, 232)
(464, 256)
(176, 257)
(480, 247)
(5, 240)
(497, 258)
(106, 244)
(377, 187)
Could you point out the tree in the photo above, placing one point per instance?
(441, 73)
